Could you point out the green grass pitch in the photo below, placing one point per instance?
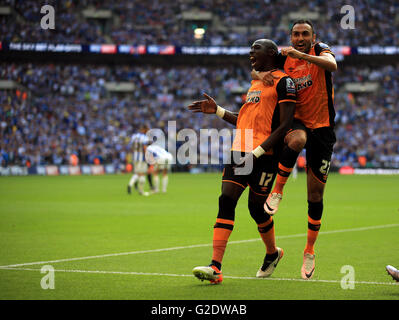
(105, 244)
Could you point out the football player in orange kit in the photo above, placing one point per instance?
(268, 114)
(310, 65)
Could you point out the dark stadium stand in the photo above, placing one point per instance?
(172, 21)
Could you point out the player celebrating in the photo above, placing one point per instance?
(268, 113)
(161, 160)
(139, 142)
(310, 65)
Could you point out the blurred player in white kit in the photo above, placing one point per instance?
(161, 160)
(139, 142)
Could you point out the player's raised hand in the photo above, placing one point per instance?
(266, 76)
(292, 52)
(205, 106)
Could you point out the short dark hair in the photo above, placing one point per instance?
(302, 21)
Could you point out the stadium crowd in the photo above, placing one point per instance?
(70, 110)
(163, 22)
(368, 123)
(62, 110)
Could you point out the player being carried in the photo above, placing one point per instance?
(268, 114)
(310, 65)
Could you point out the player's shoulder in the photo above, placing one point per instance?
(320, 47)
(283, 77)
(279, 73)
(285, 85)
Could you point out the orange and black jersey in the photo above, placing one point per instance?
(260, 115)
(315, 92)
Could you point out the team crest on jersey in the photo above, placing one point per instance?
(253, 96)
(290, 86)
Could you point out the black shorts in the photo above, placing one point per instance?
(260, 179)
(319, 148)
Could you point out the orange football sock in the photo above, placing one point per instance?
(266, 231)
(221, 234)
(281, 179)
(313, 232)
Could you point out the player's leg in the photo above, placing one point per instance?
(149, 177)
(141, 183)
(155, 174)
(156, 181)
(142, 171)
(318, 155)
(260, 184)
(295, 141)
(165, 180)
(232, 187)
(263, 220)
(132, 180)
(315, 208)
(265, 225)
(163, 165)
(222, 229)
(166, 168)
(315, 212)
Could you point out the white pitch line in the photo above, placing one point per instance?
(192, 246)
(190, 276)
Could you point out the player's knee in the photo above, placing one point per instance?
(315, 191)
(315, 210)
(257, 212)
(315, 196)
(227, 206)
(297, 140)
(316, 185)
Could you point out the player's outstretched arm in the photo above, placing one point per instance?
(209, 106)
(325, 60)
